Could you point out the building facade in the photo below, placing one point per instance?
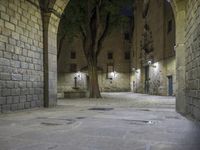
(113, 65)
(153, 55)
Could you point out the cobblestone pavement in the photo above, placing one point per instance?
(119, 121)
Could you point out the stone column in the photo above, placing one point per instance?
(51, 18)
(50, 24)
(180, 62)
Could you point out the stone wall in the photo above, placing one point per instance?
(193, 58)
(158, 78)
(161, 60)
(21, 55)
(66, 83)
(159, 73)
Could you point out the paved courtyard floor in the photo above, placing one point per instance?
(119, 121)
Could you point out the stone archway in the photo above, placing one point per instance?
(179, 9)
(51, 23)
(188, 96)
(51, 19)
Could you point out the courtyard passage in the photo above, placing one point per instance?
(119, 121)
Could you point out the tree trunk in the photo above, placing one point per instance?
(93, 79)
(92, 44)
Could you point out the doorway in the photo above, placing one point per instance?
(146, 80)
(170, 85)
(88, 82)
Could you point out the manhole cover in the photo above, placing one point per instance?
(52, 147)
(68, 121)
(58, 122)
(80, 118)
(172, 117)
(50, 124)
(100, 109)
(42, 118)
(143, 110)
(140, 122)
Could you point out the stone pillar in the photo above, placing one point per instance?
(180, 62)
(50, 24)
(51, 18)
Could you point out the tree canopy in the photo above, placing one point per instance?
(75, 18)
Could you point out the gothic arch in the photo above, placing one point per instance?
(51, 19)
(51, 22)
(179, 9)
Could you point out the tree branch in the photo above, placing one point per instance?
(104, 34)
(100, 3)
(94, 29)
(60, 45)
(97, 28)
(84, 40)
(82, 31)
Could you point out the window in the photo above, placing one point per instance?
(73, 68)
(127, 55)
(110, 55)
(169, 26)
(127, 36)
(73, 55)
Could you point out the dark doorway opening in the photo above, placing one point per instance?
(88, 82)
(170, 85)
(147, 80)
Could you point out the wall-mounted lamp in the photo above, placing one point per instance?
(133, 69)
(149, 62)
(78, 74)
(137, 71)
(113, 74)
(152, 64)
(155, 65)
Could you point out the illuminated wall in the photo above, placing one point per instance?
(160, 61)
(116, 80)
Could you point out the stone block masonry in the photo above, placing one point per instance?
(193, 59)
(21, 56)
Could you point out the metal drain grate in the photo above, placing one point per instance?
(101, 109)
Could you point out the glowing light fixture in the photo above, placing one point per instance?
(113, 74)
(137, 71)
(149, 62)
(155, 65)
(78, 74)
